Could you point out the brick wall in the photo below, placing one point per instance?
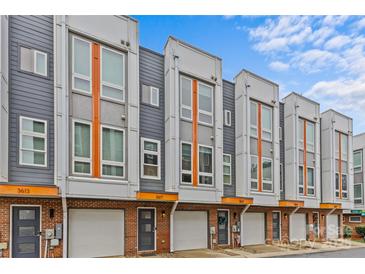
(347, 222)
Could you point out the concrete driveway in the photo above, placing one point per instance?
(348, 253)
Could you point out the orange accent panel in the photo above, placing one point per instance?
(153, 196)
(96, 109)
(29, 191)
(330, 206)
(237, 200)
(340, 163)
(288, 203)
(259, 147)
(195, 133)
(305, 157)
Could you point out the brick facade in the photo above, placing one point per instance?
(353, 225)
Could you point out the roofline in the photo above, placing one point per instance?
(150, 50)
(359, 135)
(131, 18)
(228, 81)
(257, 76)
(301, 96)
(191, 46)
(335, 111)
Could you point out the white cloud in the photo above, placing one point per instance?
(278, 66)
(337, 42)
(331, 20)
(360, 24)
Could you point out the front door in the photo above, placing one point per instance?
(146, 229)
(223, 227)
(25, 232)
(316, 224)
(276, 226)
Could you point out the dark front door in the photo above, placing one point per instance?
(146, 229)
(25, 232)
(223, 227)
(276, 226)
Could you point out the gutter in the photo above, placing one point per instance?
(172, 226)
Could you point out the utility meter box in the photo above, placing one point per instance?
(212, 230)
(58, 233)
(49, 233)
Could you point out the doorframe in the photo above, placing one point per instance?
(11, 227)
(278, 211)
(155, 228)
(319, 224)
(229, 227)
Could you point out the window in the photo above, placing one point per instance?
(281, 178)
(344, 143)
(82, 148)
(301, 133)
(310, 136)
(267, 184)
(358, 161)
(254, 170)
(205, 104)
(33, 61)
(112, 74)
(150, 159)
(186, 163)
(337, 182)
(227, 169)
(112, 152)
(344, 186)
(266, 123)
(186, 97)
(227, 118)
(150, 95)
(358, 193)
(355, 219)
(205, 165)
(253, 119)
(301, 180)
(81, 65)
(310, 181)
(33, 142)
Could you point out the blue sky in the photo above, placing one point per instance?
(321, 57)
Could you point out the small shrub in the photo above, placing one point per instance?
(347, 232)
(361, 231)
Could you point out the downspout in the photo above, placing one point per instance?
(172, 226)
(177, 119)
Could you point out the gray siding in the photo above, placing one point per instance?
(30, 95)
(151, 73)
(282, 148)
(229, 134)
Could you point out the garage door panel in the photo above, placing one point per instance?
(253, 229)
(298, 227)
(190, 230)
(332, 227)
(96, 233)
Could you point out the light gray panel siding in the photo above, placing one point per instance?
(30, 95)
(151, 73)
(282, 147)
(229, 134)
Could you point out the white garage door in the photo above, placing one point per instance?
(297, 227)
(95, 233)
(253, 229)
(332, 227)
(190, 230)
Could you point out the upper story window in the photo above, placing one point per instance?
(205, 104)
(151, 159)
(81, 160)
(254, 172)
(112, 162)
(186, 97)
(266, 123)
(267, 180)
(343, 182)
(358, 161)
(227, 118)
(358, 199)
(341, 146)
(186, 163)
(266, 120)
(205, 165)
(33, 142)
(309, 129)
(112, 74)
(81, 65)
(344, 146)
(34, 61)
(150, 95)
(227, 169)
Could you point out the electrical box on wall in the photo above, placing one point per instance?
(49, 234)
(212, 230)
(58, 234)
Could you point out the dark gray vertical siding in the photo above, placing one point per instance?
(151, 119)
(30, 95)
(229, 134)
(282, 148)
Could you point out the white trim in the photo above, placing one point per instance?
(11, 227)
(230, 168)
(155, 228)
(360, 166)
(228, 226)
(35, 52)
(205, 173)
(111, 85)
(158, 153)
(227, 118)
(182, 106)
(33, 134)
(74, 74)
(351, 221)
(157, 90)
(111, 163)
(272, 175)
(211, 114)
(278, 211)
(182, 171)
(81, 159)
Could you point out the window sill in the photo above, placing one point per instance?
(97, 180)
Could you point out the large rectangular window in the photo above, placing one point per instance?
(112, 74)
(301, 180)
(81, 65)
(205, 165)
(254, 173)
(310, 181)
(151, 159)
(344, 146)
(112, 152)
(33, 142)
(358, 161)
(310, 136)
(186, 94)
(267, 184)
(227, 169)
(253, 119)
(266, 123)
(344, 186)
(186, 163)
(337, 185)
(358, 193)
(205, 104)
(82, 148)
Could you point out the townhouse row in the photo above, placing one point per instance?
(110, 149)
